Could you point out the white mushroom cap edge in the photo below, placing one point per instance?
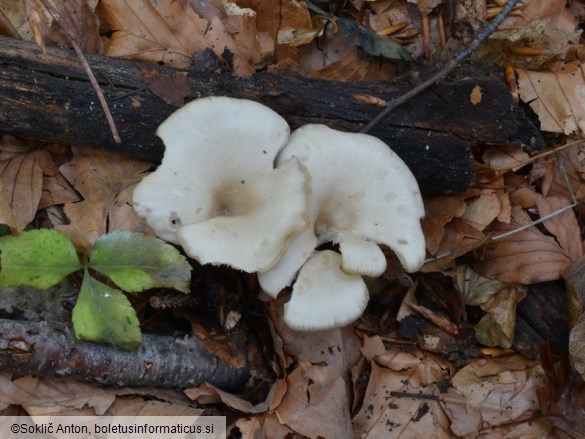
(217, 193)
(323, 296)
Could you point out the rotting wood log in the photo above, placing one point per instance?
(50, 349)
(49, 98)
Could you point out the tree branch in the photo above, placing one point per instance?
(50, 349)
(49, 98)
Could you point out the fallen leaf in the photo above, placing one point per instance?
(39, 396)
(169, 31)
(497, 326)
(21, 179)
(262, 426)
(390, 409)
(316, 403)
(438, 212)
(563, 398)
(138, 406)
(553, 96)
(56, 188)
(459, 238)
(577, 346)
(171, 89)
(524, 257)
(574, 277)
(563, 225)
(505, 157)
(480, 212)
(209, 394)
(568, 168)
(66, 21)
(100, 177)
(491, 393)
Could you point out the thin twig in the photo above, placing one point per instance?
(71, 36)
(448, 68)
(533, 223)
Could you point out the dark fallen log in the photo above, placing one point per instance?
(48, 97)
(51, 350)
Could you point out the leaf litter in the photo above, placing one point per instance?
(515, 226)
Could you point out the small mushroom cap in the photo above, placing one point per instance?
(217, 193)
(323, 296)
(361, 191)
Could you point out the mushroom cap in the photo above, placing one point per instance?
(323, 296)
(363, 193)
(299, 249)
(217, 193)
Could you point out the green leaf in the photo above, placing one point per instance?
(136, 262)
(39, 258)
(104, 315)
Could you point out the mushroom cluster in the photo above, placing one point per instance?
(236, 188)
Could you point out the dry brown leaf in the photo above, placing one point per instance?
(171, 89)
(138, 406)
(505, 157)
(497, 326)
(289, 18)
(13, 20)
(552, 96)
(563, 226)
(577, 346)
(21, 179)
(539, 428)
(569, 163)
(121, 215)
(169, 31)
(524, 257)
(389, 410)
(480, 212)
(316, 403)
(56, 188)
(68, 20)
(575, 284)
(262, 426)
(209, 394)
(350, 67)
(100, 177)
(39, 396)
(563, 398)
(459, 238)
(438, 212)
(338, 348)
(491, 393)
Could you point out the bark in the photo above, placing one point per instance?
(48, 97)
(49, 349)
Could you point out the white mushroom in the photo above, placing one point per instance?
(217, 193)
(363, 195)
(323, 296)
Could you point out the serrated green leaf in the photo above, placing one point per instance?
(38, 258)
(136, 262)
(104, 315)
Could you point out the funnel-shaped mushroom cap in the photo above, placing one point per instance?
(362, 192)
(217, 193)
(323, 296)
